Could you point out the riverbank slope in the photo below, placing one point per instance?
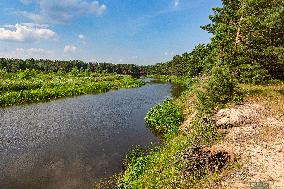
(256, 137)
(219, 146)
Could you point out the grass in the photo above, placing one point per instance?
(270, 95)
(32, 86)
(180, 161)
(165, 118)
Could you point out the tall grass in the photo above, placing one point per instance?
(32, 86)
(180, 162)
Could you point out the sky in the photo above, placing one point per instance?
(139, 32)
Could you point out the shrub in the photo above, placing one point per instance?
(165, 118)
(251, 74)
(220, 89)
(27, 74)
(220, 86)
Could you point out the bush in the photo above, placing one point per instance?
(165, 118)
(27, 74)
(3, 73)
(251, 74)
(220, 89)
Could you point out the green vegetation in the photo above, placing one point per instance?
(47, 66)
(32, 86)
(270, 95)
(247, 39)
(165, 118)
(179, 163)
(246, 47)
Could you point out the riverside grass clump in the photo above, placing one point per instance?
(184, 81)
(178, 163)
(181, 162)
(32, 86)
(165, 118)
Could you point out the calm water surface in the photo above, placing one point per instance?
(73, 142)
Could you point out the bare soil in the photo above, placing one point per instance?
(255, 136)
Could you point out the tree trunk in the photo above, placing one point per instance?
(237, 41)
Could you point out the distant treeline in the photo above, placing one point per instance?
(248, 39)
(14, 65)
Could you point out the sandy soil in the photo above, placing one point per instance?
(255, 135)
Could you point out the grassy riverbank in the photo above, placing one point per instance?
(180, 162)
(189, 157)
(33, 86)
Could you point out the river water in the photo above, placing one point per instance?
(73, 142)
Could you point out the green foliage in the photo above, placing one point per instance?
(31, 86)
(252, 74)
(177, 164)
(184, 81)
(220, 89)
(26, 74)
(262, 35)
(165, 118)
(133, 156)
(72, 66)
(220, 86)
(249, 33)
(188, 64)
(3, 73)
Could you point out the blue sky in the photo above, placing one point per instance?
(118, 31)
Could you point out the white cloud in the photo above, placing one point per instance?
(82, 39)
(22, 53)
(171, 53)
(26, 31)
(59, 11)
(176, 3)
(26, 1)
(69, 48)
(81, 36)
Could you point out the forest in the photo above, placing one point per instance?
(247, 39)
(13, 65)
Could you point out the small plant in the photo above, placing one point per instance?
(133, 155)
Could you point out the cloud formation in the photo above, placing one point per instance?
(82, 39)
(81, 36)
(22, 53)
(59, 11)
(26, 31)
(26, 1)
(69, 48)
(176, 3)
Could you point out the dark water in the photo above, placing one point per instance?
(73, 142)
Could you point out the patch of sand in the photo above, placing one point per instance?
(256, 136)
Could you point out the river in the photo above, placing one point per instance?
(73, 142)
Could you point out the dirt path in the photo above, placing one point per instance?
(255, 134)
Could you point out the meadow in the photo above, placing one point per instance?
(32, 86)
